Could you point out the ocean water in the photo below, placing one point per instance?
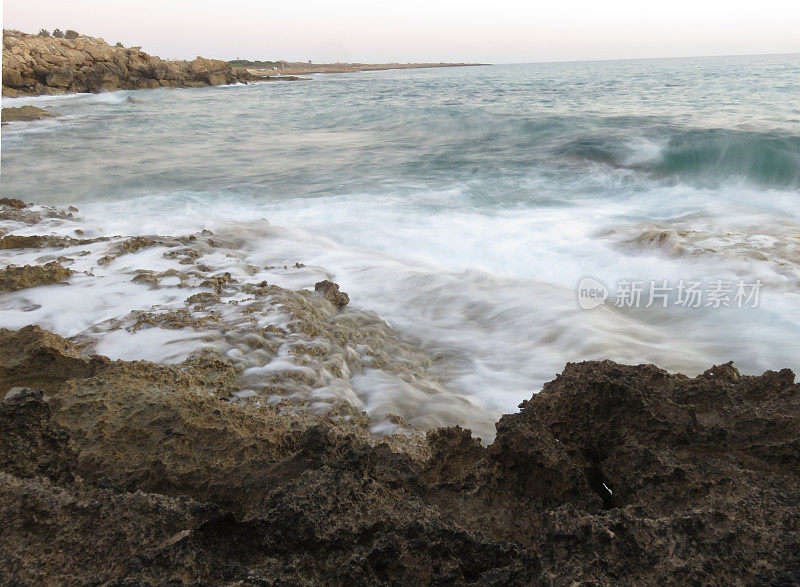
(462, 205)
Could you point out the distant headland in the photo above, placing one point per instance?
(65, 63)
(272, 68)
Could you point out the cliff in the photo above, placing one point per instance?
(34, 65)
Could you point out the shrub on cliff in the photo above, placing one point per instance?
(70, 34)
(58, 34)
(43, 33)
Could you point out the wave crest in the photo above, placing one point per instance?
(764, 159)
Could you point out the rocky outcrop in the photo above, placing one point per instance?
(25, 113)
(15, 278)
(132, 472)
(330, 291)
(34, 65)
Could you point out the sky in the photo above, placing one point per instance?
(498, 31)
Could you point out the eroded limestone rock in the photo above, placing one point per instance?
(14, 278)
(137, 472)
(35, 65)
(25, 113)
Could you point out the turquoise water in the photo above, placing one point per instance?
(464, 205)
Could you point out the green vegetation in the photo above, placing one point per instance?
(59, 34)
(247, 63)
(119, 44)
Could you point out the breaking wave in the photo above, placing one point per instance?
(705, 155)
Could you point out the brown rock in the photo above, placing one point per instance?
(36, 241)
(32, 444)
(330, 291)
(13, 202)
(25, 113)
(60, 77)
(613, 474)
(37, 65)
(14, 278)
(216, 79)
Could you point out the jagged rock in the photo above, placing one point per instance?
(330, 291)
(612, 474)
(35, 65)
(15, 203)
(33, 444)
(205, 297)
(14, 278)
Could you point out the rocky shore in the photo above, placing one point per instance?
(34, 65)
(25, 114)
(140, 472)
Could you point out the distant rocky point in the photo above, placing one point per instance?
(34, 65)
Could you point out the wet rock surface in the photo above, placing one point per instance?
(138, 472)
(25, 113)
(16, 278)
(330, 291)
(265, 454)
(298, 348)
(776, 247)
(34, 65)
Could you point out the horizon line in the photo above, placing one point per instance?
(603, 59)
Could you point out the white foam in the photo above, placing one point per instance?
(159, 345)
(458, 226)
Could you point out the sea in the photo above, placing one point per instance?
(506, 219)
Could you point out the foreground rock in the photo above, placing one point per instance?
(25, 113)
(34, 65)
(137, 472)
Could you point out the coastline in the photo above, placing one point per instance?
(34, 66)
(307, 69)
(611, 473)
(263, 337)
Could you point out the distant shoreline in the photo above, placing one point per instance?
(309, 68)
(35, 65)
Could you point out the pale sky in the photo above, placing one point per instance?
(499, 31)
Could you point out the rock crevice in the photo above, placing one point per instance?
(129, 460)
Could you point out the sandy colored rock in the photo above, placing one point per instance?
(330, 291)
(40, 241)
(34, 65)
(25, 113)
(14, 203)
(14, 278)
